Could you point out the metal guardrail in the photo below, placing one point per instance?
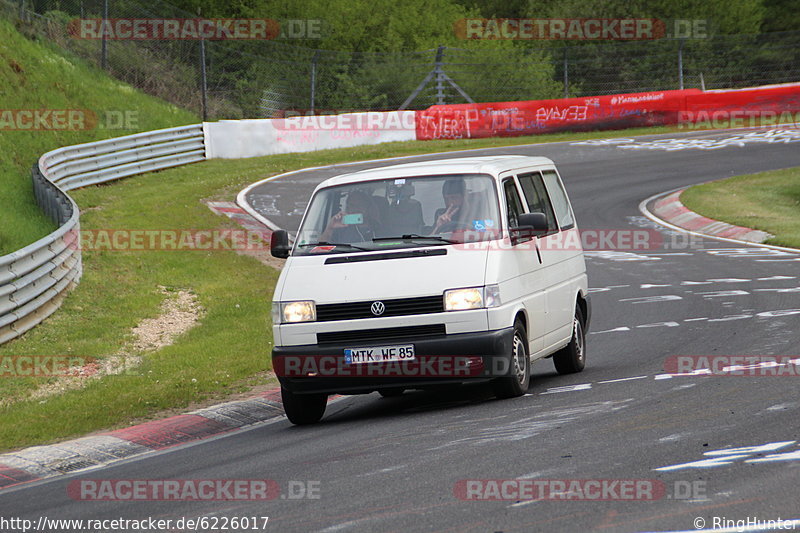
(34, 279)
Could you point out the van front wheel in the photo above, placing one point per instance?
(519, 375)
(572, 357)
(303, 409)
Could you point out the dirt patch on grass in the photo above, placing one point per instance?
(180, 311)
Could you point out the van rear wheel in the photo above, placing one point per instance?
(572, 358)
(519, 375)
(303, 409)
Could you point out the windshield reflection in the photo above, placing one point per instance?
(400, 213)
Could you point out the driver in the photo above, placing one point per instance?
(454, 192)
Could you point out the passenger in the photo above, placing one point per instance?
(358, 222)
(454, 214)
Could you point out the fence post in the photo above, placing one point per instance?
(566, 74)
(104, 42)
(203, 79)
(439, 76)
(680, 62)
(441, 79)
(314, 61)
(21, 9)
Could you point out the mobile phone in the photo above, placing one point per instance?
(352, 219)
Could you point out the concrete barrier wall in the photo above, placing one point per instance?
(235, 139)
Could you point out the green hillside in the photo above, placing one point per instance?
(38, 76)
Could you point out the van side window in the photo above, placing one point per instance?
(513, 203)
(536, 196)
(560, 201)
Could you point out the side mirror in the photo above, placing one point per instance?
(530, 225)
(279, 244)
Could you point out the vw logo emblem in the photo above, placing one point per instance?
(377, 308)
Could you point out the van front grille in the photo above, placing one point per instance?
(395, 307)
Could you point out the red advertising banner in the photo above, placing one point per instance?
(765, 106)
(505, 119)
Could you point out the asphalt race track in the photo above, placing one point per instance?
(397, 464)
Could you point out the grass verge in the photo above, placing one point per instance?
(768, 201)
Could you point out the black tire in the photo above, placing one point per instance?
(572, 358)
(519, 373)
(392, 393)
(303, 409)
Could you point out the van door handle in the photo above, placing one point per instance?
(538, 253)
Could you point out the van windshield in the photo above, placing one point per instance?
(400, 213)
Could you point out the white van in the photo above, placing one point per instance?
(429, 274)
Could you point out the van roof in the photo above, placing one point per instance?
(493, 164)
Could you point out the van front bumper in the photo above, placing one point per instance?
(441, 360)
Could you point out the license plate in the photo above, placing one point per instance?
(379, 354)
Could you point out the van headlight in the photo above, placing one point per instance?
(472, 298)
(292, 312)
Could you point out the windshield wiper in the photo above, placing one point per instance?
(414, 236)
(325, 243)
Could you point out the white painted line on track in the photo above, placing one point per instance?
(567, 388)
(623, 379)
(523, 503)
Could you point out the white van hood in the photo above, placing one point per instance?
(309, 278)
